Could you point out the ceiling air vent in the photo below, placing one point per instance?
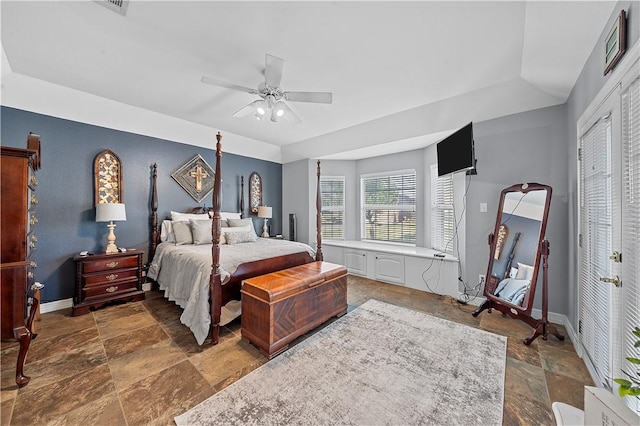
(119, 6)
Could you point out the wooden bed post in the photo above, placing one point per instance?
(154, 214)
(319, 256)
(215, 284)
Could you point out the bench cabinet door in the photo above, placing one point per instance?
(389, 268)
(356, 261)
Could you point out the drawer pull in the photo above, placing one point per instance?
(111, 277)
(111, 289)
(112, 264)
(34, 181)
(33, 264)
(30, 275)
(33, 220)
(34, 200)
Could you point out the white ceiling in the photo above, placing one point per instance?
(403, 74)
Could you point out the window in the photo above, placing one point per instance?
(442, 220)
(332, 193)
(389, 207)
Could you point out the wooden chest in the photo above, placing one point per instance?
(280, 306)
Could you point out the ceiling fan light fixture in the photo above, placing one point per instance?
(278, 111)
(261, 107)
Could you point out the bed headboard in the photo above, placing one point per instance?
(155, 227)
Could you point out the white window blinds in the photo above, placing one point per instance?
(631, 229)
(332, 193)
(389, 207)
(442, 220)
(596, 237)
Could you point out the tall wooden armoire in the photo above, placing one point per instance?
(17, 222)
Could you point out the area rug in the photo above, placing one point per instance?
(378, 365)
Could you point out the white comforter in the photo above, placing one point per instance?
(183, 273)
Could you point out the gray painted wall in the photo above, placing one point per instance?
(65, 192)
(296, 198)
(589, 83)
(526, 147)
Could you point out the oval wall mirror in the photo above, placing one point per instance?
(518, 247)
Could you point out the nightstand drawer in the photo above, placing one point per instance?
(110, 289)
(107, 277)
(103, 279)
(114, 263)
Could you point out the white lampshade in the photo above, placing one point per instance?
(264, 211)
(107, 212)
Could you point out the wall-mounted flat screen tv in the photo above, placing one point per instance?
(456, 152)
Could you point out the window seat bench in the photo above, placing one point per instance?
(409, 266)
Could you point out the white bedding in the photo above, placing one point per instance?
(183, 271)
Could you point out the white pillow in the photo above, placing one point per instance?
(240, 222)
(182, 231)
(166, 232)
(525, 272)
(188, 216)
(513, 273)
(230, 215)
(201, 231)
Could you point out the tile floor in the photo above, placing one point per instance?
(136, 364)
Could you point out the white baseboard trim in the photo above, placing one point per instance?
(56, 305)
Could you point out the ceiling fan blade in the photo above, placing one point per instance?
(315, 97)
(252, 108)
(220, 83)
(244, 111)
(273, 68)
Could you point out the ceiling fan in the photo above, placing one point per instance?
(272, 96)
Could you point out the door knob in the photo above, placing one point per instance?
(615, 280)
(616, 257)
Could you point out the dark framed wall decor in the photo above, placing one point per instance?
(195, 177)
(615, 44)
(255, 192)
(107, 173)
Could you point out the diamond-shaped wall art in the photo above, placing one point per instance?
(196, 177)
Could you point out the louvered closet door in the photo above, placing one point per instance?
(631, 225)
(600, 221)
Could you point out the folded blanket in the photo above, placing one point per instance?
(512, 290)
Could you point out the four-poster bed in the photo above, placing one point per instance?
(206, 281)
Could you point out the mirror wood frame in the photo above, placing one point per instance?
(541, 327)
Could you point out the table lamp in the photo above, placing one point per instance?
(264, 212)
(108, 212)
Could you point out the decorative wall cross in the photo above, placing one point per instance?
(198, 174)
(195, 177)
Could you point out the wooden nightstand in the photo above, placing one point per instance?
(106, 278)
